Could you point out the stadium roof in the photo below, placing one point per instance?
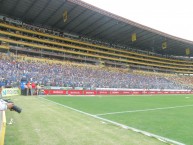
(86, 20)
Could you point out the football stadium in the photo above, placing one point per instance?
(80, 75)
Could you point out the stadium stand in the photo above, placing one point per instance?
(35, 40)
(20, 42)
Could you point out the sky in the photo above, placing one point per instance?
(174, 17)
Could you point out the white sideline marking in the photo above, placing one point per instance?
(144, 110)
(163, 139)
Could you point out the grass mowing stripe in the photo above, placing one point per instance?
(120, 125)
(144, 110)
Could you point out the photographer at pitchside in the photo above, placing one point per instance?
(4, 105)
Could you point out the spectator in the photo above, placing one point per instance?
(33, 87)
(28, 88)
(38, 89)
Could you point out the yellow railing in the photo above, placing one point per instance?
(4, 47)
(3, 128)
(92, 50)
(79, 48)
(123, 57)
(92, 45)
(91, 55)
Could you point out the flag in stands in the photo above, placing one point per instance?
(164, 45)
(133, 37)
(187, 51)
(65, 16)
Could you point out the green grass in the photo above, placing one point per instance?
(172, 123)
(45, 123)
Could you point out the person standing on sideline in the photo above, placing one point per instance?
(33, 87)
(38, 87)
(28, 88)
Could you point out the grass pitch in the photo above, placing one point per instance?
(169, 116)
(45, 123)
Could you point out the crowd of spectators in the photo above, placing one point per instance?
(66, 74)
(183, 79)
(85, 76)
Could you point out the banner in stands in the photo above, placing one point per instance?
(55, 92)
(10, 92)
(75, 92)
(90, 92)
(103, 92)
